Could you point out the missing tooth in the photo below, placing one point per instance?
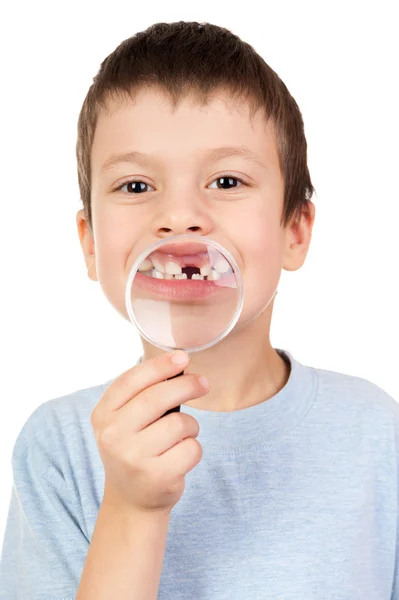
(189, 271)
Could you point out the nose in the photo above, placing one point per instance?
(182, 215)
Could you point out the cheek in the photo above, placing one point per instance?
(116, 234)
(260, 236)
(113, 245)
(262, 253)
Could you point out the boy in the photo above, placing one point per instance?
(290, 490)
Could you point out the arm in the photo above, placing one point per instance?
(45, 538)
(125, 556)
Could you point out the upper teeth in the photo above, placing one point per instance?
(205, 270)
(214, 275)
(172, 270)
(146, 265)
(222, 265)
(158, 265)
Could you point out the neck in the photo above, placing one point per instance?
(243, 369)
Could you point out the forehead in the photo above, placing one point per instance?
(149, 123)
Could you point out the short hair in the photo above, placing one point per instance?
(191, 58)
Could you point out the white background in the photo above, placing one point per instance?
(339, 312)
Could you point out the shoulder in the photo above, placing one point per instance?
(357, 397)
(54, 425)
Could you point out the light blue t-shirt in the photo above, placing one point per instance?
(295, 498)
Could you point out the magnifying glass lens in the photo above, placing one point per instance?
(184, 292)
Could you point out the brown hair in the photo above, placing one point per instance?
(189, 57)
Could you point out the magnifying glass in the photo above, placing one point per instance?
(184, 292)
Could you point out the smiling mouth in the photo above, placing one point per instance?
(160, 265)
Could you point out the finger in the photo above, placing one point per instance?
(165, 433)
(152, 403)
(141, 376)
(180, 459)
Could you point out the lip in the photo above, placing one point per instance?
(189, 254)
(183, 289)
(183, 248)
(183, 260)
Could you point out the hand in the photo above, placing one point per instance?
(146, 457)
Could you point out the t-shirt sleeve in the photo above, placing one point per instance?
(395, 586)
(44, 546)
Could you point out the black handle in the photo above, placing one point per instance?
(176, 408)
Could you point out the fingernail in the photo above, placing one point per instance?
(179, 357)
(203, 381)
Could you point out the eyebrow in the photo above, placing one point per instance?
(212, 154)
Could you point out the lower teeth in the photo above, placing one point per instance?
(157, 275)
(196, 276)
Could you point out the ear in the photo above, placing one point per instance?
(297, 238)
(87, 243)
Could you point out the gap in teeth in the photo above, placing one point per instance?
(172, 270)
(213, 276)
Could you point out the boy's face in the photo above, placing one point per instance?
(183, 194)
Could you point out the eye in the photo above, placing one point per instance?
(137, 189)
(225, 179)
